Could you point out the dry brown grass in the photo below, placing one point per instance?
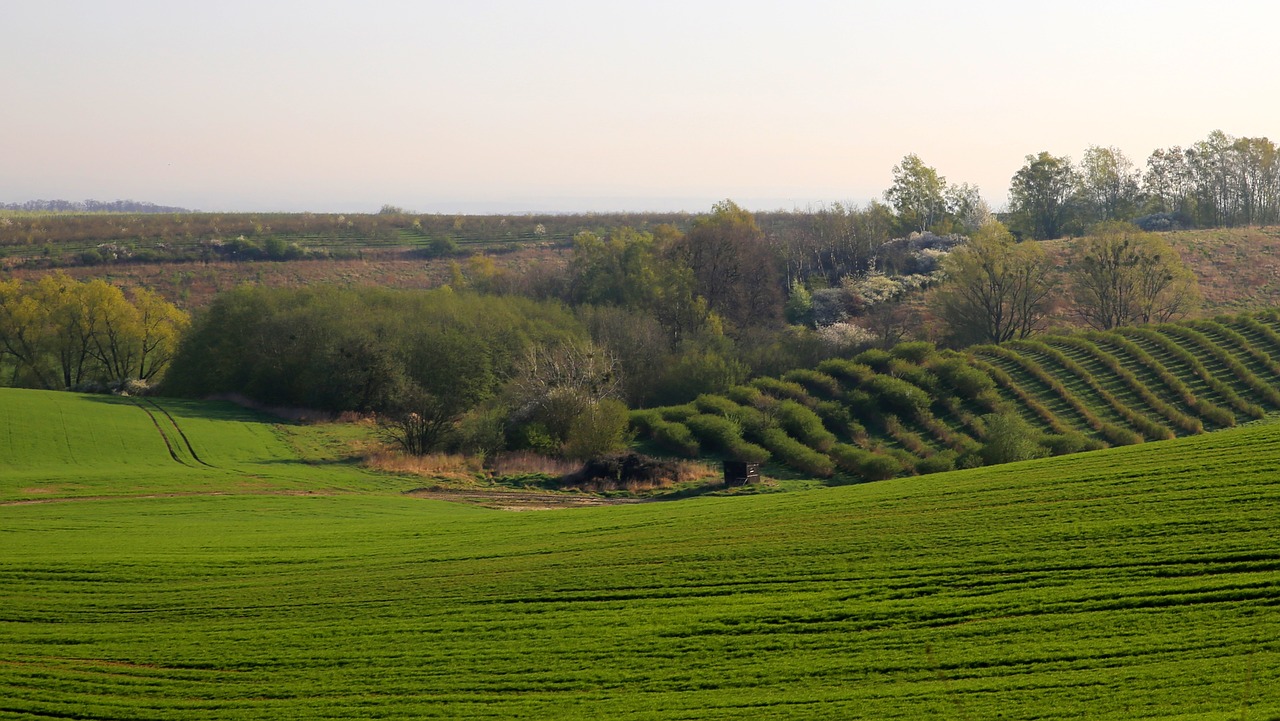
(521, 462)
(449, 466)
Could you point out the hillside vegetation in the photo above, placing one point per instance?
(918, 410)
(1129, 583)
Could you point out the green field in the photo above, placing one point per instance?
(1135, 582)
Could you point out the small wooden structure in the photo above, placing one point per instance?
(740, 473)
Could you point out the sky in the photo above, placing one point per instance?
(593, 105)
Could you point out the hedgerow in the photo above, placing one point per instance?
(804, 425)
(815, 382)
(795, 454)
(866, 464)
(784, 390)
(1144, 425)
(1163, 342)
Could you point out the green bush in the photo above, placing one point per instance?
(1009, 438)
(937, 463)
(865, 464)
(846, 370)
(793, 453)
(715, 405)
(918, 352)
(782, 390)
(962, 378)
(1061, 444)
(600, 429)
(745, 395)
(815, 382)
(675, 437)
(898, 395)
(804, 425)
(1117, 436)
(877, 359)
(714, 432)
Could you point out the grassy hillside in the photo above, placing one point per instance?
(64, 445)
(917, 410)
(1136, 582)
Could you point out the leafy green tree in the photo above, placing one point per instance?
(1040, 195)
(59, 333)
(1167, 183)
(1108, 185)
(918, 194)
(1124, 276)
(996, 289)
(733, 267)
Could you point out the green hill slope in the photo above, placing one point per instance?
(917, 410)
(57, 445)
(1136, 582)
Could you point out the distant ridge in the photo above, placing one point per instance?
(92, 206)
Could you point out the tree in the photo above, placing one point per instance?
(967, 208)
(733, 268)
(556, 385)
(1108, 185)
(60, 333)
(918, 194)
(1124, 276)
(1040, 195)
(996, 289)
(1167, 182)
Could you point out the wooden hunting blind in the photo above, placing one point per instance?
(740, 473)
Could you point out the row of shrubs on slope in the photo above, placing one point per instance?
(916, 409)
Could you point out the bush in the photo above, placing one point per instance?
(715, 405)
(714, 432)
(1117, 436)
(913, 374)
(784, 390)
(815, 382)
(795, 454)
(917, 352)
(866, 464)
(1009, 438)
(963, 379)
(877, 359)
(898, 394)
(745, 395)
(600, 429)
(937, 463)
(855, 373)
(804, 425)
(675, 437)
(1061, 444)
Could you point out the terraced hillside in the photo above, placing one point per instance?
(1130, 583)
(917, 410)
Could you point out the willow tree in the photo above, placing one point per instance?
(996, 288)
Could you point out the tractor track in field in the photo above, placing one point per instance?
(160, 429)
(181, 434)
(168, 443)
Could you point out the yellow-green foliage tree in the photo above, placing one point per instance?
(996, 289)
(1123, 276)
(59, 333)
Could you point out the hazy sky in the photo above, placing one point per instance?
(596, 105)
